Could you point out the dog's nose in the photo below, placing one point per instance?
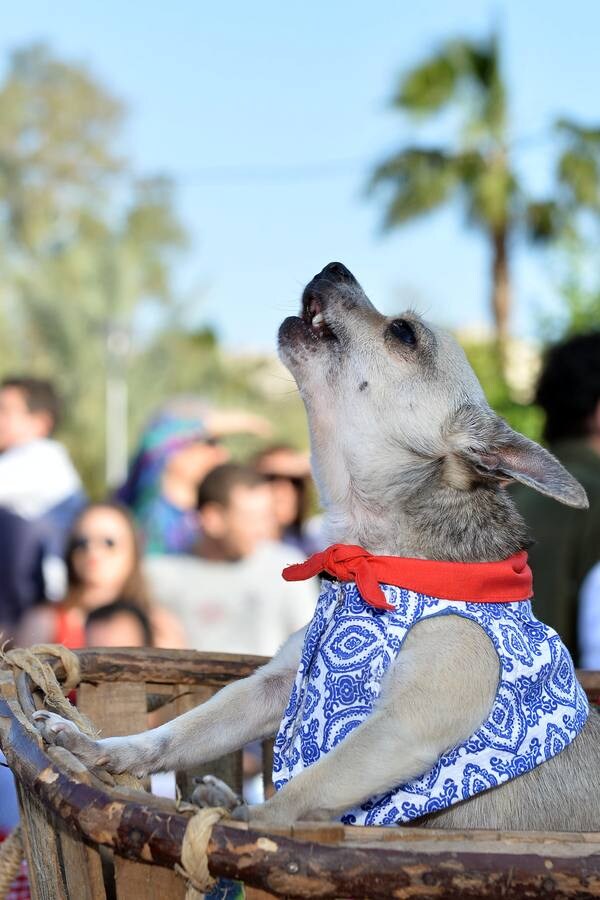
(336, 271)
(334, 281)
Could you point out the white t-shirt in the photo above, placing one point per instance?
(588, 629)
(234, 607)
(36, 476)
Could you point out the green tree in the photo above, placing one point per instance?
(58, 132)
(525, 417)
(578, 310)
(85, 244)
(578, 178)
(465, 78)
(574, 215)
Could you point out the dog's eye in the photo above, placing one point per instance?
(404, 331)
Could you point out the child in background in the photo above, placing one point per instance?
(118, 624)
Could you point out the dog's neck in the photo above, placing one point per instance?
(423, 517)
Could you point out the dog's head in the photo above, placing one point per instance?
(388, 397)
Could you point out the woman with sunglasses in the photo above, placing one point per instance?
(103, 566)
(288, 472)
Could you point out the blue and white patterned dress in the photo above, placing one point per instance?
(349, 645)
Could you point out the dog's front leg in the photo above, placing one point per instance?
(246, 710)
(438, 692)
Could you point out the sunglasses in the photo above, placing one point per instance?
(294, 479)
(83, 542)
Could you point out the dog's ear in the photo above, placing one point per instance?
(494, 450)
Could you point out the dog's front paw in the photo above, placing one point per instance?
(57, 730)
(211, 791)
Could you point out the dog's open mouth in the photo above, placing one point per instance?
(314, 318)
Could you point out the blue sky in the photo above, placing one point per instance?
(260, 94)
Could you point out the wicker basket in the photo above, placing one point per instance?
(87, 839)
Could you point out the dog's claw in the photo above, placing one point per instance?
(64, 733)
(241, 813)
(49, 724)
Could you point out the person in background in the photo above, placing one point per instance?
(22, 583)
(229, 593)
(103, 566)
(567, 541)
(589, 620)
(178, 448)
(40, 495)
(288, 472)
(121, 623)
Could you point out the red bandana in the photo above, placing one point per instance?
(506, 581)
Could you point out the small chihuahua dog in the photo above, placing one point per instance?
(410, 462)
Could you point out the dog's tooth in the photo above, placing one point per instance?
(318, 320)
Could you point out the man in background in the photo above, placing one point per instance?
(567, 541)
(40, 494)
(229, 593)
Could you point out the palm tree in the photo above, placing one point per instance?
(576, 214)
(578, 176)
(465, 76)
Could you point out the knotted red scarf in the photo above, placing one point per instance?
(505, 581)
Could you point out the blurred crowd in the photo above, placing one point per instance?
(188, 552)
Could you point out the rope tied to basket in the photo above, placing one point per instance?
(69, 660)
(194, 851)
(40, 672)
(42, 675)
(30, 660)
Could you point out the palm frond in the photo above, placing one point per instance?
(459, 70)
(582, 133)
(579, 173)
(543, 220)
(420, 180)
(429, 86)
(578, 168)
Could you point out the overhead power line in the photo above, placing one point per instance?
(286, 172)
(239, 174)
